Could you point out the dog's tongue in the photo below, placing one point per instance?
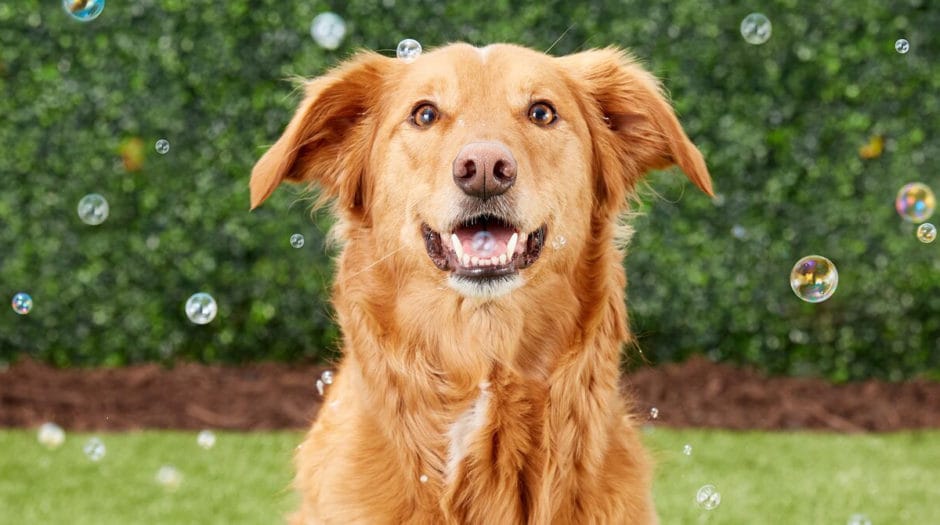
(483, 241)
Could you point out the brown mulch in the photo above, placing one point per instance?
(696, 393)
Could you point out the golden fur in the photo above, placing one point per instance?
(449, 408)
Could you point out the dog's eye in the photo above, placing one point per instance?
(424, 115)
(542, 113)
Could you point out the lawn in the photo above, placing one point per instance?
(767, 478)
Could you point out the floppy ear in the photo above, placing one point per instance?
(327, 141)
(632, 122)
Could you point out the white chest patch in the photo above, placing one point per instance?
(462, 431)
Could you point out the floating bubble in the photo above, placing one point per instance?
(902, 46)
(858, 519)
(94, 449)
(50, 435)
(756, 28)
(814, 278)
(162, 146)
(915, 202)
(483, 243)
(297, 240)
(328, 30)
(559, 242)
(320, 387)
(201, 308)
(169, 477)
(687, 449)
(327, 377)
(654, 413)
(93, 209)
(423, 478)
(205, 439)
(83, 10)
(408, 50)
(22, 303)
(926, 232)
(708, 497)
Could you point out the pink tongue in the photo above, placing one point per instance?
(484, 241)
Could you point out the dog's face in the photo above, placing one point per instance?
(479, 166)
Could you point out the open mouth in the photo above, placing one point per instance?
(483, 247)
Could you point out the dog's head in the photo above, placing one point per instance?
(468, 162)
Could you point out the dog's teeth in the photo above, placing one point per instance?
(458, 248)
(466, 260)
(503, 259)
(511, 245)
(495, 260)
(475, 261)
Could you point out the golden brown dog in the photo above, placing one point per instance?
(480, 290)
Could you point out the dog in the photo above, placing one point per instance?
(479, 287)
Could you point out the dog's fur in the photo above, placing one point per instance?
(463, 404)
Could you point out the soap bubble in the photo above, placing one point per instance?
(328, 30)
(94, 449)
(926, 232)
(902, 46)
(687, 449)
(205, 439)
(162, 146)
(201, 308)
(423, 478)
(654, 413)
(327, 377)
(708, 497)
(93, 209)
(168, 477)
(22, 303)
(320, 387)
(559, 242)
(814, 278)
(83, 10)
(297, 240)
(915, 202)
(408, 50)
(483, 243)
(50, 435)
(755, 28)
(858, 519)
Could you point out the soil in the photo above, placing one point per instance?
(696, 393)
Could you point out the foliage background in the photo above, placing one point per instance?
(780, 125)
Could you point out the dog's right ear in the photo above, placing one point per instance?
(327, 141)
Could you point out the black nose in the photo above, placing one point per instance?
(484, 169)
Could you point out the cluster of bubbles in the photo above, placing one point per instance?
(201, 308)
(902, 46)
(83, 10)
(708, 497)
(756, 28)
(162, 146)
(50, 436)
(205, 439)
(408, 50)
(926, 233)
(22, 303)
(297, 240)
(814, 278)
(328, 30)
(94, 449)
(169, 477)
(858, 519)
(93, 209)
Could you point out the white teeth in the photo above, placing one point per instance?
(511, 245)
(466, 260)
(495, 261)
(503, 259)
(458, 248)
(475, 261)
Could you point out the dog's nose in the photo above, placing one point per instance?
(484, 169)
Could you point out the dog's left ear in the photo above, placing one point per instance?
(632, 120)
(328, 139)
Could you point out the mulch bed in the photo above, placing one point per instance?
(696, 393)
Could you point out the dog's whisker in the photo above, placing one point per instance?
(386, 256)
(565, 32)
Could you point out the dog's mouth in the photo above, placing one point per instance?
(483, 247)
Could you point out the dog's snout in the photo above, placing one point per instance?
(484, 169)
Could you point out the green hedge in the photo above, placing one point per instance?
(780, 125)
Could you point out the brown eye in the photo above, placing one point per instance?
(542, 113)
(424, 115)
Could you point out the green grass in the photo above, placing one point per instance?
(785, 478)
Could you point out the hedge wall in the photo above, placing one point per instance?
(780, 124)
